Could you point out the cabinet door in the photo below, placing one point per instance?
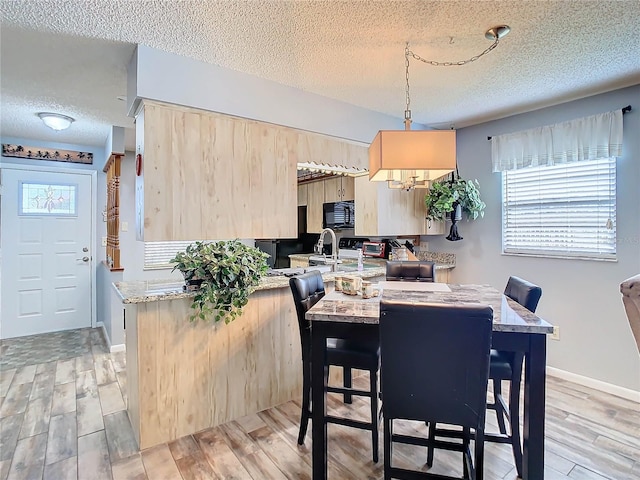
(315, 199)
(348, 189)
(332, 190)
(435, 227)
(302, 195)
(381, 211)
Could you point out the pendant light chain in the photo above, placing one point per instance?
(407, 112)
(494, 33)
(449, 64)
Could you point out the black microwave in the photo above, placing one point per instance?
(338, 215)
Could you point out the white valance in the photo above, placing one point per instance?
(587, 138)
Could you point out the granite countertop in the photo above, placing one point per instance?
(508, 315)
(169, 289)
(443, 261)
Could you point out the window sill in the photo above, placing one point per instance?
(559, 257)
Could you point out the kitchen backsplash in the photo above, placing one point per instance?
(439, 257)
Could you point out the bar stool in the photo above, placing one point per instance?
(411, 271)
(505, 366)
(307, 290)
(415, 338)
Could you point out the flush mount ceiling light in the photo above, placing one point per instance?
(56, 121)
(409, 159)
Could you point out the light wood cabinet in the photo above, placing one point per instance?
(211, 176)
(302, 195)
(338, 189)
(315, 199)
(382, 211)
(435, 227)
(348, 189)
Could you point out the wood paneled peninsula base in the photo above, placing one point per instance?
(183, 377)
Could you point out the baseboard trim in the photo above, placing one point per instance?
(623, 392)
(101, 326)
(118, 348)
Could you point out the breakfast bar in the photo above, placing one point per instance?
(514, 329)
(183, 376)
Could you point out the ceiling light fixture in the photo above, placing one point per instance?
(409, 159)
(56, 121)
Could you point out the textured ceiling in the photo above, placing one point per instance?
(71, 56)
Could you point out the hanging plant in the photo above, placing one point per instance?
(453, 197)
(226, 272)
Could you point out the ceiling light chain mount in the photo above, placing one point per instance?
(412, 159)
(494, 33)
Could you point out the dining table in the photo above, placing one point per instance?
(516, 329)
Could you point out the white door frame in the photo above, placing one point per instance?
(94, 202)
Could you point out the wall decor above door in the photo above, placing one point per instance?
(37, 153)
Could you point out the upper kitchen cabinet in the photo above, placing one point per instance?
(302, 195)
(339, 189)
(315, 199)
(206, 176)
(383, 211)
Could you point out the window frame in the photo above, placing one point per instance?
(608, 251)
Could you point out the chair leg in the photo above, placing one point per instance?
(430, 448)
(514, 422)
(346, 377)
(479, 455)
(374, 413)
(306, 401)
(388, 431)
(466, 440)
(500, 413)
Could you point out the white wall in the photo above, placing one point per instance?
(582, 297)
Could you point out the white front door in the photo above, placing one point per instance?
(46, 252)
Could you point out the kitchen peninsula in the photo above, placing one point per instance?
(183, 377)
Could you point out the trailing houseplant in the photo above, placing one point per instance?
(226, 271)
(453, 197)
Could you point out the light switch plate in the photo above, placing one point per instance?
(104, 241)
(125, 226)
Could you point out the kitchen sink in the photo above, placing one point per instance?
(353, 266)
(321, 260)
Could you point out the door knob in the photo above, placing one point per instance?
(84, 259)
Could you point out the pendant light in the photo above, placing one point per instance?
(409, 159)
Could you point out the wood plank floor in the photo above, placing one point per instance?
(64, 418)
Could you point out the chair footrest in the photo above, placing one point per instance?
(497, 437)
(350, 391)
(347, 422)
(425, 442)
(488, 437)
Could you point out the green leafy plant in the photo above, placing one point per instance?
(444, 195)
(227, 271)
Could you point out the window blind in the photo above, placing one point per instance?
(566, 210)
(158, 254)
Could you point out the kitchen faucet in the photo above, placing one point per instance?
(334, 247)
